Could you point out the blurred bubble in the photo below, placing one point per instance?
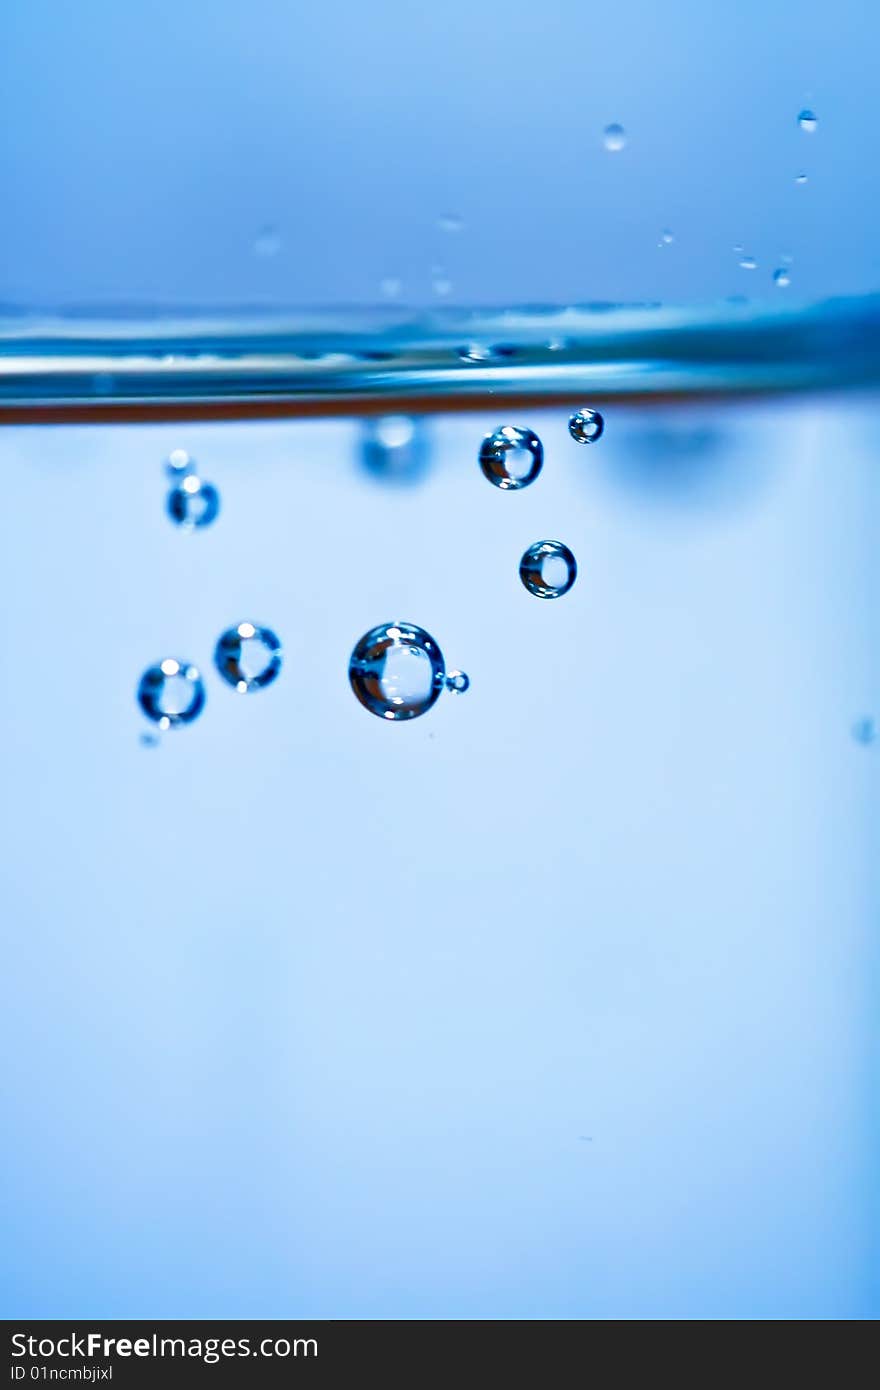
(614, 137)
(395, 449)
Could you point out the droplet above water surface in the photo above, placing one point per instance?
(614, 137)
(248, 657)
(171, 693)
(511, 457)
(548, 569)
(397, 671)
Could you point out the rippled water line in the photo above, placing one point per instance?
(163, 366)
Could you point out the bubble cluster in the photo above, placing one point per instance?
(397, 671)
(248, 657)
(548, 569)
(511, 457)
(171, 693)
(586, 426)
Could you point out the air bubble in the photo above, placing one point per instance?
(511, 457)
(440, 281)
(179, 464)
(782, 277)
(586, 426)
(800, 179)
(395, 448)
(666, 237)
(807, 121)
(614, 137)
(748, 263)
(171, 693)
(193, 504)
(248, 657)
(450, 222)
(548, 569)
(397, 671)
(457, 682)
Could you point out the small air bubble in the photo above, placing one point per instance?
(782, 278)
(248, 657)
(179, 463)
(457, 682)
(450, 222)
(193, 504)
(171, 693)
(586, 426)
(511, 457)
(666, 238)
(548, 569)
(807, 121)
(748, 263)
(800, 179)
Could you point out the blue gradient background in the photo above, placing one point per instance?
(560, 1002)
(145, 145)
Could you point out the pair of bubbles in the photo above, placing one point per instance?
(512, 458)
(396, 670)
(192, 502)
(172, 692)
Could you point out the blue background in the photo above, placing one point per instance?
(145, 146)
(560, 1002)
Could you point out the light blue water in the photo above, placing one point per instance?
(558, 1001)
